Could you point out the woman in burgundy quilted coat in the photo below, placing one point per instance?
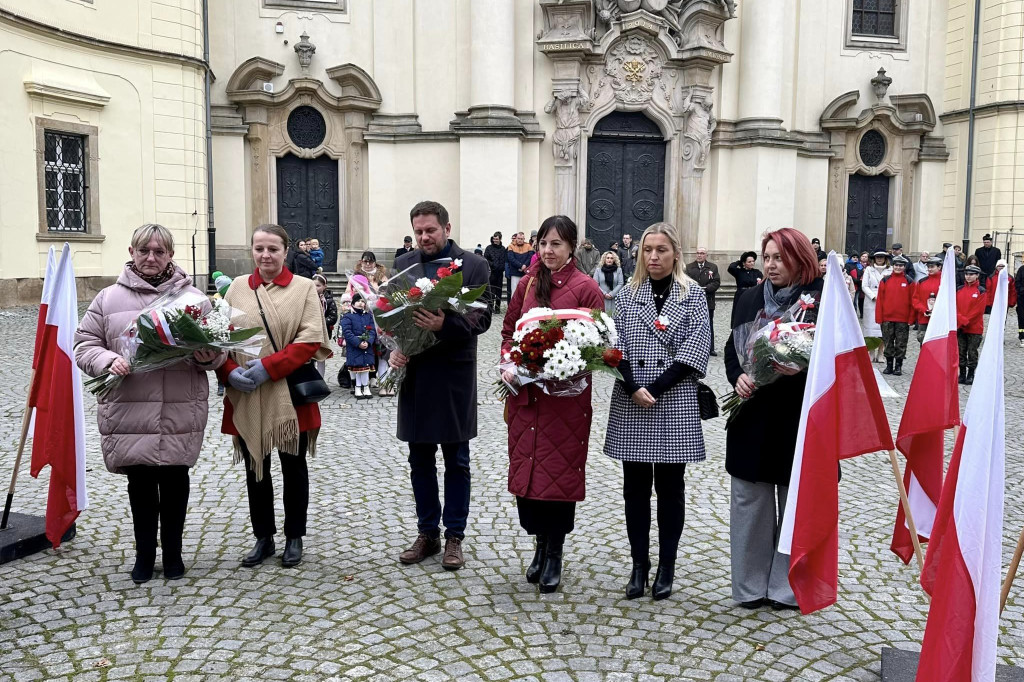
(548, 436)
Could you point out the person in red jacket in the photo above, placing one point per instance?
(990, 288)
(894, 311)
(970, 321)
(924, 296)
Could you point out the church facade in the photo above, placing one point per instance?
(850, 120)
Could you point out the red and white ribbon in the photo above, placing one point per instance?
(564, 314)
(163, 330)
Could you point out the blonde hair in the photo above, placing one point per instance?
(144, 233)
(640, 273)
(615, 256)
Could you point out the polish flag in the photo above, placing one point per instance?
(963, 569)
(842, 417)
(59, 438)
(37, 354)
(933, 405)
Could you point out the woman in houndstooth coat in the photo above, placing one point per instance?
(654, 421)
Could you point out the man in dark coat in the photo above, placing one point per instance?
(705, 273)
(987, 256)
(495, 254)
(406, 248)
(628, 255)
(437, 399)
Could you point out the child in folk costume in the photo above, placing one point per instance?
(970, 321)
(360, 336)
(894, 311)
(871, 277)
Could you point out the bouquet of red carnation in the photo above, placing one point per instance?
(174, 326)
(411, 290)
(555, 349)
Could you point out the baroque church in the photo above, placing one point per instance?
(861, 122)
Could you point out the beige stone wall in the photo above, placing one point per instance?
(146, 110)
(997, 202)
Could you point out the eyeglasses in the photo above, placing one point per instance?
(145, 253)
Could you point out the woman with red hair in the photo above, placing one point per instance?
(762, 437)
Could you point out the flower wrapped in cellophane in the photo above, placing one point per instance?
(766, 345)
(556, 349)
(415, 289)
(173, 327)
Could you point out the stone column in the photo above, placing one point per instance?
(762, 34)
(259, 139)
(492, 54)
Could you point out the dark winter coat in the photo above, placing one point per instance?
(760, 442)
(303, 265)
(988, 256)
(514, 261)
(437, 400)
(353, 326)
(330, 312)
(708, 279)
(496, 255)
(745, 279)
(548, 436)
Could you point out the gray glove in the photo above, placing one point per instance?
(256, 373)
(240, 382)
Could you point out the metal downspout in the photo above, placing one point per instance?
(970, 128)
(211, 231)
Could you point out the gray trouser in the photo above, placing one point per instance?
(758, 570)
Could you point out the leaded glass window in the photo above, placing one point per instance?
(66, 184)
(875, 18)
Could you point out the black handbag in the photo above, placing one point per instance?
(707, 402)
(305, 385)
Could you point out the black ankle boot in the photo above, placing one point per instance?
(638, 579)
(663, 581)
(970, 376)
(292, 554)
(551, 573)
(888, 366)
(143, 570)
(263, 549)
(174, 567)
(533, 571)
(897, 370)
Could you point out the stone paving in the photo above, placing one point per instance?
(350, 611)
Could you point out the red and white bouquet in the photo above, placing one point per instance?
(555, 349)
(413, 289)
(171, 328)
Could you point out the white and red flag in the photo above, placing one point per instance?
(37, 353)
(933, 405)
(59, 436)
(963, 570)
(842, 417)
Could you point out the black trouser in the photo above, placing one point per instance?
(508, 289)
(295, 476)
(669, 482)
(494, 288)
(158, 496)
(1020, 320)
(711, 323)
(546, 517)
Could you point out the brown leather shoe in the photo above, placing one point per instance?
(452, 560)
(422, 548)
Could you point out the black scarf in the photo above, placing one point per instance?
(609, 275)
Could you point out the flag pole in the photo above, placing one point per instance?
(905, 501)
(1012, 572)
(25, 421)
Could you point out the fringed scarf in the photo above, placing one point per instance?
(265, 418)
(154, 280)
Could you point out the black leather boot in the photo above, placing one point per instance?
(292, 554)
(662, 587)
(638, 579)
(143, 569)
(897, 369)
(551, 573)
(888, 366)
(263, 549)
(533, 571)
(970, 376)
(963, 376)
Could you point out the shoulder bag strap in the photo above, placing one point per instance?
(266, 326)
(526, 293)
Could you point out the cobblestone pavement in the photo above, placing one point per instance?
(350, 611)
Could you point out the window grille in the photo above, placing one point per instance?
(875, 18)
(66, 184)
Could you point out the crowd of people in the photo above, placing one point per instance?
(152, 425)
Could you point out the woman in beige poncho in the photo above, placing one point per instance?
(258, 410)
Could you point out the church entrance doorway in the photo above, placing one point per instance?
(625, 178)
(307, 202)
(867, 213)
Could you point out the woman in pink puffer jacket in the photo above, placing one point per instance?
(152, 424)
